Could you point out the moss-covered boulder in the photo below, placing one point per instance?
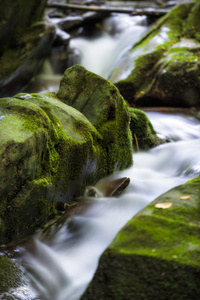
(45, 146)
(49, 152)
(11, 275)
(144, 135)
(156, 255)
(18, 14)
(25, 41)
(102, 104)
(163, 67)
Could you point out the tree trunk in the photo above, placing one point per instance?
(151, 12)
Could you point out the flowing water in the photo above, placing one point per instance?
(100, 51)
(60, 266)
(118, 34)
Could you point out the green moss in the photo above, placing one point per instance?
(161, 237)
(192, 26)
(10, 274)
(101, 103)
(144, 135)
(194, 180)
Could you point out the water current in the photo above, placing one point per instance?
(61, 267)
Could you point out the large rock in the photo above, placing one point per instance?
(49, 151)
(25, 41)
(156, 255)
(102, 104)
(18, 15)
(163, 68)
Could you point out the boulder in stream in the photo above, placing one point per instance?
(163, 68)
(50, 151)
(156, 254)
(102, 104)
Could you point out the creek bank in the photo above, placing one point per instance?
(156, 254)
(164, 63)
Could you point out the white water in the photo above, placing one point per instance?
(62, 267)
(118, 34)
(99, 53)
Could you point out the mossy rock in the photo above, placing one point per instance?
(11, 276)
(156, 255)
(21, 61)
(17, 16)
(49, 153)
(26, 40)
(45, 147)
(102, 104)
(144, 135)
(164, 63)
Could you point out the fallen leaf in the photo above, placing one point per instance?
(163, 205)
(185, 197)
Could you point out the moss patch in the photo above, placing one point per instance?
(104, 107)
(144, 135)
(10, 274)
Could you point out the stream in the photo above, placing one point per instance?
(60, 267)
